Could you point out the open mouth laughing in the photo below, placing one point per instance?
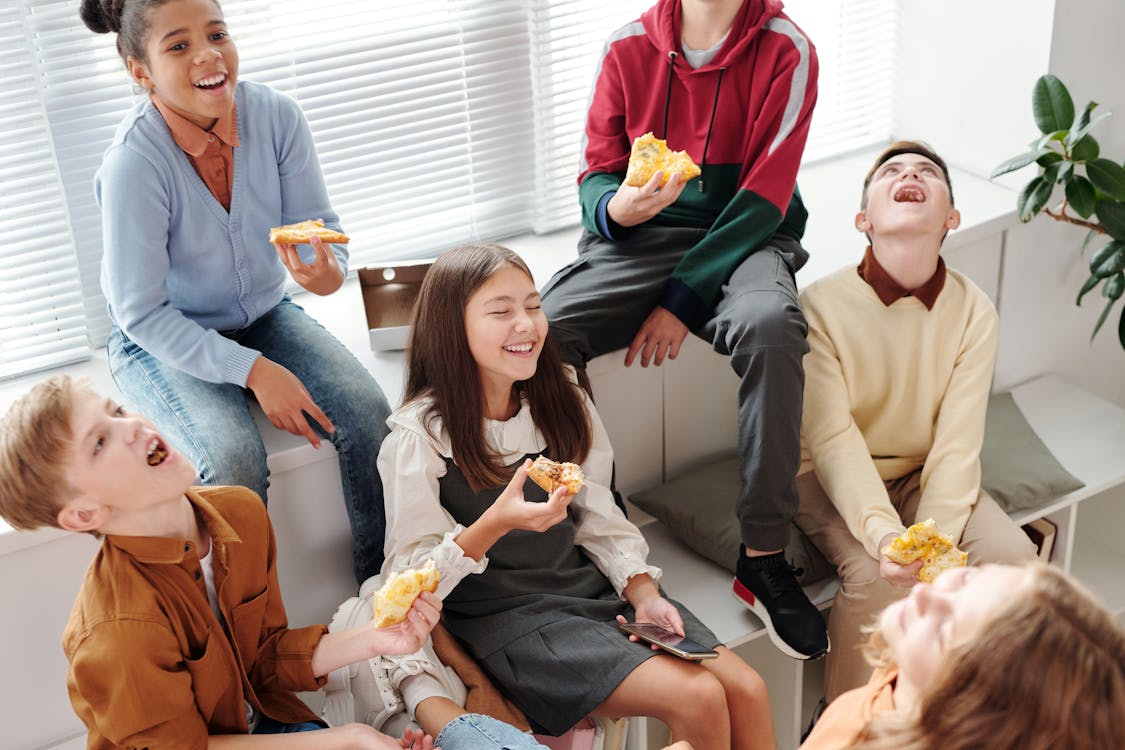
(157, 452)
(212, 82)
(909, 193)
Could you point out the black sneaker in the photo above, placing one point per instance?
(768, 586)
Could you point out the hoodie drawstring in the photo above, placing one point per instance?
(668, 92)
(710, 124)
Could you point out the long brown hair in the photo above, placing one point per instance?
(441, 367)
(1046, 673)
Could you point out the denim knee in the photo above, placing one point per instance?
(479, 732)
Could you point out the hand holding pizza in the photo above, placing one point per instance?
(635, 205)
(322, 276)
(510, 511)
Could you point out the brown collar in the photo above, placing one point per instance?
(194, 139)
(889, 291)
(148, 549)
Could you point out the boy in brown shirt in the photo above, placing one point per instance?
(178, 637)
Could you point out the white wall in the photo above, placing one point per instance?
(966, 71)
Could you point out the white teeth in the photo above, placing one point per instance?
(153, 445)
(910, 194)
(214, 80)
(519, 347)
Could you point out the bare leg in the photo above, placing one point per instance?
(751, 726)
(685, 696)
(434, 713)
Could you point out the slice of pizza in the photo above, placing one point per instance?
(550, 475)
(650, 154)
(393, 601)
(301, 232)
(924, 542)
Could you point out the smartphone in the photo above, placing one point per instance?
(685, 648)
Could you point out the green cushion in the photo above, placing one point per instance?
(1017, 469)
(699, 508)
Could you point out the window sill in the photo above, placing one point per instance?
(987, 209)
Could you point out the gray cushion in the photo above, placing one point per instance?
(699, 508)
(1017, 469)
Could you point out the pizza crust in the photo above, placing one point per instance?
(301, 232)
(923, 541)
(550, 475)
(651, 154)
(393, 601)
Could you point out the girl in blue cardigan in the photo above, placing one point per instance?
(194, 178)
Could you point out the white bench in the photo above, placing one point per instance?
(1085, 433)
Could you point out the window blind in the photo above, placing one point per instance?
(437, 122)
(42, 321)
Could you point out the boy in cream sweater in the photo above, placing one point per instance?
(897, 381)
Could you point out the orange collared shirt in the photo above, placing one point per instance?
(151, 665)
(211, 152)
(889, 291)
(846, 717)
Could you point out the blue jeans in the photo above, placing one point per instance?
(266, 725)
(211, 422)
(479, 732)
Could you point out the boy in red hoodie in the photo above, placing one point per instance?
(732, 82)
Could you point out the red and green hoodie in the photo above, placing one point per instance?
(743, 117)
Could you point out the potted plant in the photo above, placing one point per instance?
(1093, 187)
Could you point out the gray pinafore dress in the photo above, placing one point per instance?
(541, 618)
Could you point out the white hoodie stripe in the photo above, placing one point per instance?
(636, 28)
(800, 78)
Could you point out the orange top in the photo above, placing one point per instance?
(151, 665)
(211, 152)
(845, 717)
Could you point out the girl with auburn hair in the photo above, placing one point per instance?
(991, 658)
(535, 585)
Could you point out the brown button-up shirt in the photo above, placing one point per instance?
(211, 152)
(889, 291)
(150, 664)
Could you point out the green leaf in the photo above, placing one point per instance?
(1058, 172)
(1108, 177)
(1034, 196)
(1046, 159)
(1114, 287)
(1111, 215)
(1088, 239)
(1016, 162)
(1091, 282)
(1051, 105)
(1086, 149)
(1058, 135)
(1105, 313)
(1079, 132)
(1080, 195)
(1109, 260)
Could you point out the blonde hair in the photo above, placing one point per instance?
(35, 438)
(1047, 672)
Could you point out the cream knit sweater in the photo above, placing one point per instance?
(889, 389)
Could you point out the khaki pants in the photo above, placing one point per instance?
(990, 536)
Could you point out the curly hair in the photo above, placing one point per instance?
(1047, 672)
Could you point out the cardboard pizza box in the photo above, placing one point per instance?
(389, 293)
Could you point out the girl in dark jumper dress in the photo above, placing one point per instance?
(535, 585)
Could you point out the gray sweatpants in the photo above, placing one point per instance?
(597, 304)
